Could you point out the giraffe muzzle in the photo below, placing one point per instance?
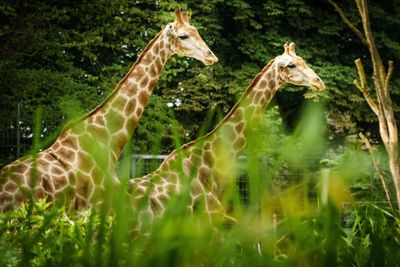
(210, 58)
(210, 61)
(317, 84)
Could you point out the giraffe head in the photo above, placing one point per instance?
(186, 40)
(294, 70)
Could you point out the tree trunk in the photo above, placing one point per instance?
(382, 106)
(395, 171)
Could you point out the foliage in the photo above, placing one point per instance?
(53, 238)
(285, 226)
(52, 51)
(373, 237)
(270, 134)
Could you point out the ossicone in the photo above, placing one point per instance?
(290, 48)
(286, 46)
(181, 17)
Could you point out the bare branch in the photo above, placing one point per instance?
(360, 7)
(388, 76)
(379, 70)
(383, 126)
(27, 55)
(364, 88)
(391, 127)
(368, 98)
(361, 73)
(377, 168)
(348, 22)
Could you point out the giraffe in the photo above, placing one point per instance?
(207, 160)
(81, 162)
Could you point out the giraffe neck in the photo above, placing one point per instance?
(232, 129)
(112, 123)
(229, 134)
(206, 156)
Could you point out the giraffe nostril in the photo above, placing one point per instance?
(210, 53)
(318, 83)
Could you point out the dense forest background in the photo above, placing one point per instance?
(67, 56)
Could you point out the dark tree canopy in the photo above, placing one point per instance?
(66, 56)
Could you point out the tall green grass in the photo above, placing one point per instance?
(300, 212)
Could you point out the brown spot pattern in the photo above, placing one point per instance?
(262, 84)
(152, 84)
(162, 53)
(153, 71)
(143, 97)
(204, 176)
(237, 115)
(239, 127)
(132, 90)
(138, 73)
(144, 82)
(139, 111)
(99, 120)
(239, 144)
(208, 158)
(159, 64)
(47, 185)
(146, 59)
(271, 84)
(10, 187)
(130, 106)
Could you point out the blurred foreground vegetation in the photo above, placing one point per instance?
(313, 220)
(54, 238)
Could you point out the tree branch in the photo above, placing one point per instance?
(364, 88)
(348, 22)
(379, 70)
(388, 76)
(377, 168)
(360, 7)
(383, 126)
(361, 73)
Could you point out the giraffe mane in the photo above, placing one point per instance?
(69, 124)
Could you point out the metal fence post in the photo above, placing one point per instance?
(133, 167)
(18, 129)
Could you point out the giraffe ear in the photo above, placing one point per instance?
(171, 29)
(284, 60)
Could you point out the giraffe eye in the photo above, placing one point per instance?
(183, 37)
(291, 66)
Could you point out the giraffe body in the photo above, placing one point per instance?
(81, 163)
(209, 161)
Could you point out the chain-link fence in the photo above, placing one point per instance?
(145, 164)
